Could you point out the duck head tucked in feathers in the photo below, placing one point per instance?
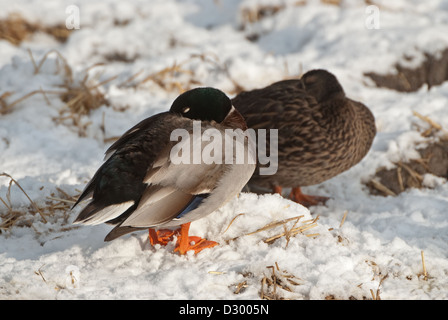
(321, 132)
(139, 187)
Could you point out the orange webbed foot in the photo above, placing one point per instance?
(186, 243)
(305, 199)
(162, 236)
(196, 244)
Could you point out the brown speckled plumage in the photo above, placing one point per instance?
(321, 132)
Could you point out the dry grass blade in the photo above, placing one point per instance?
(425, 274)
(253, 14)
(343, 219)
(9, 220)
(216, 272)
(287, 233)
(332, 2)
(376, 295)
(240, 287)
(40, 273)
(432, 123)
(130, 79)
(63, 202)
(273, 225)
(382, 188)
(20, 187)
(7, 107)
(291, 233)
(266, 227)
(233, 220)
(3, 104)
(263, 284)
(414, 174)
(164, 78)
(434, 127)
(180, 76)
(400, 178)
(37, 67)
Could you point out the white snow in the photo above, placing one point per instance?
(377, 248)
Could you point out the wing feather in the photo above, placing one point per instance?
(158, 205)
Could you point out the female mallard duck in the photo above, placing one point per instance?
(139, 187)
(321, 132)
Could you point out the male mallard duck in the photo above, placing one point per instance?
(321, 132)
(139, 187)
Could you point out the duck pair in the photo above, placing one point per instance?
(321, 133)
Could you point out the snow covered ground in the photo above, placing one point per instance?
(118, 45)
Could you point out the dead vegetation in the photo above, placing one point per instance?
(432, 71)
(171, 78)
(120, 57)
(15, 29)
(11, 216)
(180, 76)
(252, 14)
(56, 207)
(285, 231)
(80, 97)
(278, 284)
(410, 174)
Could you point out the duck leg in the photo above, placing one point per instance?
(306, 200)
(278, 189)
(184, 242)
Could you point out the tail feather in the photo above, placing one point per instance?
(87, 193)
(119, 231)
(96, 213)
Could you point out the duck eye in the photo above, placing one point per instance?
(185, 110)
